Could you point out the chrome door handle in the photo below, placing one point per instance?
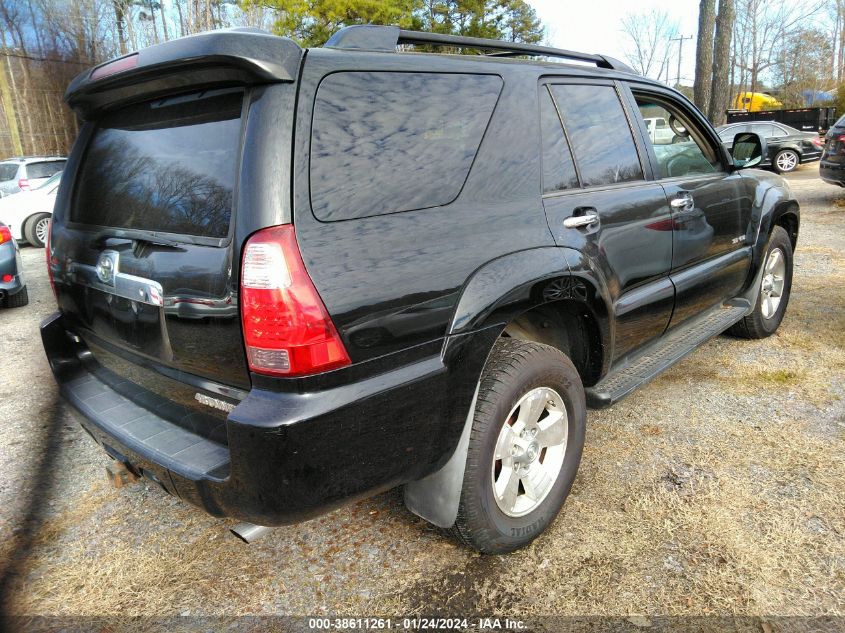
(575, 221)
(682, 203)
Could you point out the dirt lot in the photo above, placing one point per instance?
(717, 489)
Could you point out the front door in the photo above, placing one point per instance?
(711, 211)
(599, 202)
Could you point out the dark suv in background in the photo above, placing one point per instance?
(291, 278)
(832, 166)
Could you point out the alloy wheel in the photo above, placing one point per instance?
(771, 289)
(41, 229)
(787, 161)
(530, 451)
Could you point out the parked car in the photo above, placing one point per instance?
(28, 172)
(13, 292)
(431, 280)
(788, 147)
(659, 130)
(832, 165)
(28, 213)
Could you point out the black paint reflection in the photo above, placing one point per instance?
(165, 166)
(558, 167)
(387, 142)
(599, 133)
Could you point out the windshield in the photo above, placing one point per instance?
(52, 181)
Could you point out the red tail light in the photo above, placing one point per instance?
(841, 138)
(23, 183)
(50, 261)
(5, 234)
(287, 330)
(818, 142)
(118, 65)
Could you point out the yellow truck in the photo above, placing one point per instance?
(756, 101)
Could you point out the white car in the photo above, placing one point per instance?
(28, 213)
(659, 130)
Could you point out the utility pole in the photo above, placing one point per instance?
(680, 40)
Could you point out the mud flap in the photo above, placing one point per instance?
(436, 497)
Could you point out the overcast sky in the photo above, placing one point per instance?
(593, 26)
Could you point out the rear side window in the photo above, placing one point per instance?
(167, 166)
(8, 171)
(598, 130)
(558, 168)
(45, 169)
(384, 142)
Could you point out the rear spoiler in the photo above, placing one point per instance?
(215, 58)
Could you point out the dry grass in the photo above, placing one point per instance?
(717, 489)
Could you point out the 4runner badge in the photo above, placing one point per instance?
(214, 403)
(107, 267)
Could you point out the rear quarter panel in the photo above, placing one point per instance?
(391, 282)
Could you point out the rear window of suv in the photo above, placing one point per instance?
(45, 169)
(384, 142)
(8, 171)
(166, 166)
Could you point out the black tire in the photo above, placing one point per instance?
(784, 152)
(17, 300)
(756, 325)
(514, 368)
(29, 229)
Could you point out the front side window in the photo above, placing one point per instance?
(599, 133)
(385, 142)
(683, 151)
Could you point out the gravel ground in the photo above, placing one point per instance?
(717, 489)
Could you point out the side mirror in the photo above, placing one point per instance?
(748, 150)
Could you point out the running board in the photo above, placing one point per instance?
(664, 352)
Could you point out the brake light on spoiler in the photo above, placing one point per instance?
(118, 65)
(287, 330)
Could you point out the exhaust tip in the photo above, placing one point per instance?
(249, 532)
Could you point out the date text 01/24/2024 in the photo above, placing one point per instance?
(415, 624)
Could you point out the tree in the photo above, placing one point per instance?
(761, 28)
(520, 22)
(720, 88)
(803, 64)
(704, 54)
(312, 22)
(649, 36)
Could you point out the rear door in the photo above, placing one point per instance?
(593, 170)
(711, 210)
(145, 254)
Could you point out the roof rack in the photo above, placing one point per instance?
(386, 38)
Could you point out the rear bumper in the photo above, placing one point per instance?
(832, 173)
(287, 456)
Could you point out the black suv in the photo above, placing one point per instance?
(292, 278)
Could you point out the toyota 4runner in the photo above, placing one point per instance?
(287, 279)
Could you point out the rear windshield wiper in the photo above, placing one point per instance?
(148, 237)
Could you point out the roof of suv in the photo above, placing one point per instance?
(249, 55)
(372, 37)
